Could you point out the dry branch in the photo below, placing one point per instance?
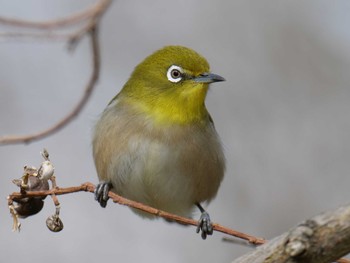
(91, 18)
(94, 12)
(321, 239)
(89, 187)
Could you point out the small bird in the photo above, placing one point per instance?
(156, 143)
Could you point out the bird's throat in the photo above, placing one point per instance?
(181, 109)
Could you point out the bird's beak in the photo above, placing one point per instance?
(208, 78)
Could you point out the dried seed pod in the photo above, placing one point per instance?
(29, 206)
(54, 223)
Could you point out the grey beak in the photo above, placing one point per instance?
(208, 78)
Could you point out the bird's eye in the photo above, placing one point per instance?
(174, 73)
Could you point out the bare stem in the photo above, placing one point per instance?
(89, 187)
(273, 247)
(92, 16)
(92, 12)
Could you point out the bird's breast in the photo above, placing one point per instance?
(168, 167)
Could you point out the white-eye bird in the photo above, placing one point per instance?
(156, 143)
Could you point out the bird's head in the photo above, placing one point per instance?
(171, 85)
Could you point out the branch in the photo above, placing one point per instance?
(322, 239)
(89, 187)
(94, 11)
(92, 14)
(59, 125)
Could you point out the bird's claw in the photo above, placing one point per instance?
(101, 193)
(205, 225)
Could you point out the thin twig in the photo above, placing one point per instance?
(89, 187)
(91, 16)
(49, 36)
(237, 241)
(94, 11)
(12, 139)
(7, 36)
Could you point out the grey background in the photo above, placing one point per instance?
(283, 115)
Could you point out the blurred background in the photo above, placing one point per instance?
(282, 114)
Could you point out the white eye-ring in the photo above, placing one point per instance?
(175, 74)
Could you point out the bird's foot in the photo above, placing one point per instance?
(204, 224)
(101, 193)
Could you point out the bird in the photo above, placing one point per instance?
(156, 143)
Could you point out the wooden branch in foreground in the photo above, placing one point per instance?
(89, 187)
(321, 239)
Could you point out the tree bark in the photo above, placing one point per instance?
(324, 238)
